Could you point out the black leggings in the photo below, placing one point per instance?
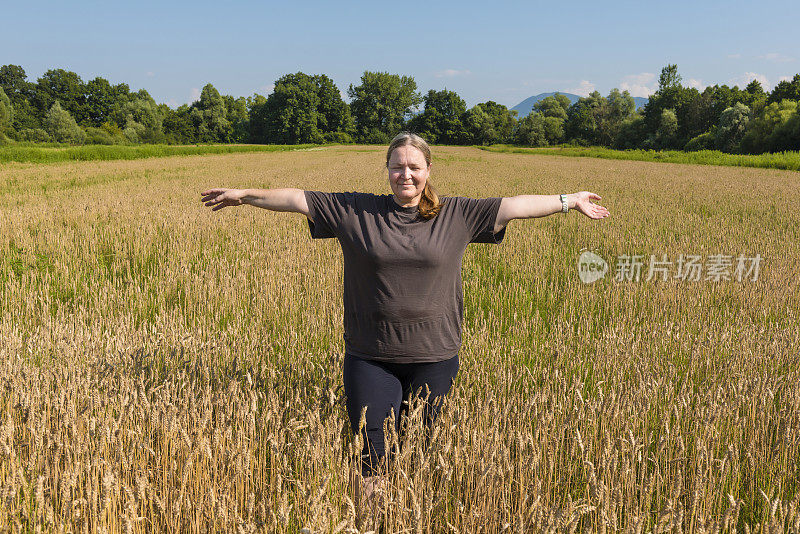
(382, 387)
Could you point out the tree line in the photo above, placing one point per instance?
(302, 108)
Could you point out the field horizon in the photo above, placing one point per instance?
(51, 153)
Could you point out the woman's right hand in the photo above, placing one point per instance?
(219, 198)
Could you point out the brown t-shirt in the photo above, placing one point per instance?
(403, 297)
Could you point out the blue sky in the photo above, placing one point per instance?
(501, 51)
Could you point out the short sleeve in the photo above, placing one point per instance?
(325, 212)
(480, 215)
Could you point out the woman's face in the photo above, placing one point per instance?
(408, 173)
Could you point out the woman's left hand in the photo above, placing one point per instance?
(584, 204)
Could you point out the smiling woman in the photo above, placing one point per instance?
(403, 295)
(408, 160)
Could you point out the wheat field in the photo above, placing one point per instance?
(166, 368)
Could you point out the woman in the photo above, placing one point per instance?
(403, 302)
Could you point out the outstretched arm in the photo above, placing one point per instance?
(528, 206)
(284, 199)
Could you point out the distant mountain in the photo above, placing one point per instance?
(524, 108)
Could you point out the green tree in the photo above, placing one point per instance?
(757, 95)
(553, 106)
(502, 118)
(765, 133)
(382, 104)
(14, 82)
(596, 120)
(701, 113)
(209, 117)
(440, 121)
(143, 120)
(289, 114)
(553, 130)
(121, 95)
(300, 109)
(787, 135)
(177, 124)
(66, 87)
(679, 100)
(585, 119)
(631, 132)
(531, 131)
(725, 97)
(620, 105)
(544, 125)
(667, 130)
(669, 78)
(34, 135)
(98, 136)
(786, 90)
(334, 113)
(101, 101)
(704, 141)
(6, 114)
(732, 125)
(61, 126)
(236, 113)
(619, 108)
(479, 127)
(488, 123)
(258, 128)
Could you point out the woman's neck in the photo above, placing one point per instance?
(408, 203)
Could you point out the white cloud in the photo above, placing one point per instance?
(451, 73)
(267, 88)
(760, 77)
(734, 56)
(150, 74)
(784, 79)
(194, 95)
(643, 84)
(748, 77)
(583, 88)
(697, 84)
(776, 57)
(172, 103)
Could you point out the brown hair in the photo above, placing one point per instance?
(429, 204)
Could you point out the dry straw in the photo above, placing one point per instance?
(163, 368)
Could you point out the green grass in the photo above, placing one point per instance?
(52, 153)
(49, 154)
(779, 160)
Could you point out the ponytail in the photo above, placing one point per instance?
(429, 204)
